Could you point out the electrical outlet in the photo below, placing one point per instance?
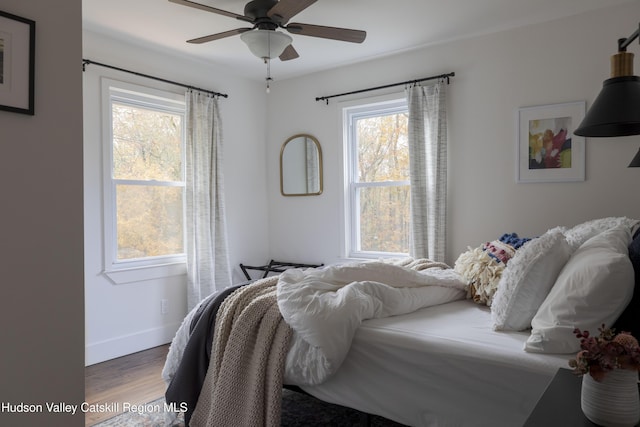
(164, 306)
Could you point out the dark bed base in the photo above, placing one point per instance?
(365, 418)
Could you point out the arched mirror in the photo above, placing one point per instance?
(301, 166)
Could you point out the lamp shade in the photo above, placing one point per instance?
(635, 163)
(616, 110)
(266, 43)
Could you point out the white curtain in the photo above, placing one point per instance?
(207, 256)
(428, 170)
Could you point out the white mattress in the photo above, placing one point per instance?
(441, 366)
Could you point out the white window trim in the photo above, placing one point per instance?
(350, 229)
(129, 271)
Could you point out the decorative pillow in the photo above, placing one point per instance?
(482, 267)
(527, 279)
(592, 289)
(579, 234)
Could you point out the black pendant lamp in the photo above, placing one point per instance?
(616, 110)
(635, 163)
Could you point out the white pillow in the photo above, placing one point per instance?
(580, 233)
(527, 279)
(592, 289)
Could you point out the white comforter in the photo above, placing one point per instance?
(325, 307)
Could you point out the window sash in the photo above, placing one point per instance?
(353, 187)
(115, 92)
(151, 183)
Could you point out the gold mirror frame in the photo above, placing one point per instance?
(301, 168)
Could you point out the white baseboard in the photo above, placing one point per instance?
(128, 344)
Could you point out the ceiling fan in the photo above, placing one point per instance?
(266, 16)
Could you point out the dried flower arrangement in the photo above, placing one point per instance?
(605, 352)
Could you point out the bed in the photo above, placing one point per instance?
(441, 365)
(476, 355)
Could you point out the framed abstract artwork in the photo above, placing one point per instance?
(17, 54)
(547, 150)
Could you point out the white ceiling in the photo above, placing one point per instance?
(391, 26)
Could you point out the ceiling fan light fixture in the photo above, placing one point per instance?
(266, 44)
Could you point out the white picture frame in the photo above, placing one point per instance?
(547, 149)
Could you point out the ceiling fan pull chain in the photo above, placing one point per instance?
(267, 60)
(268, 79)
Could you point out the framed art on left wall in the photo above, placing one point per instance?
(17, 55)
(548, 151)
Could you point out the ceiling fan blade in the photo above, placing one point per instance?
(335, 33)
(287, 9)
(289, 54)
(217, 36)
(210, 9)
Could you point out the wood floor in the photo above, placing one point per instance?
(135, 378)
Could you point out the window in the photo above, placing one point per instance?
(377, 184)
(144, 177)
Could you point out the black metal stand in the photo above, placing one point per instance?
(275, 267)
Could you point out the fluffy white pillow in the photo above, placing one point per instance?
(592, 289)
(527, 279)
(580, 233)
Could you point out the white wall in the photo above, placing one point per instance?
(121, 319)
(41, 225)
(561, 61)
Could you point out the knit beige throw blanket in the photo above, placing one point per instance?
(243, 385)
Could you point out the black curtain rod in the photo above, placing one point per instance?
(86, 62)
(441, 76)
